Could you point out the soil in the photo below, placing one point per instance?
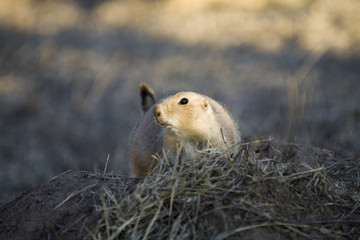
(40, 214)
(70, 205)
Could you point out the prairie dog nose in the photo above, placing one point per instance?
(157, 111)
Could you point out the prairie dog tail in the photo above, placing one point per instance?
(147, 97)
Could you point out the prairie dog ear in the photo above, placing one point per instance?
(206, 105)
(147, 97)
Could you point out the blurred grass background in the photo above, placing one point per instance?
(70, 70)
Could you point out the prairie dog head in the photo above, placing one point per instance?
(186, 114)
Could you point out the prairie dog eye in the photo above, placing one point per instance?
(183, 101)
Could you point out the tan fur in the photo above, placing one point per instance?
(168, 124)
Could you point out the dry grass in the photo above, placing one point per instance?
(75, 69)
(331, 25)
(318, 25)
(270, 190)
(213, 196)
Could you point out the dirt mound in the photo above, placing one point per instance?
(269, 191)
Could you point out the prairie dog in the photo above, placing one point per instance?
(189, 119)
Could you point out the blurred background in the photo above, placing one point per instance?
(70, 70)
